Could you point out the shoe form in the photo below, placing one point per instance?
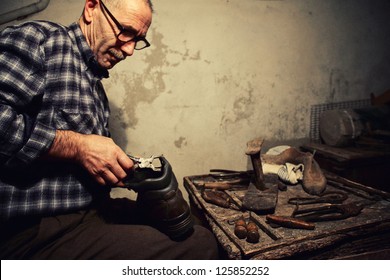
(314, 181)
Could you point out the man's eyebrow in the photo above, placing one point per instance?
(131, 29)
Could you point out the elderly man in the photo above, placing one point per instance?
(57, 160)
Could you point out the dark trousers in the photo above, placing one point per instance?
(88, 235)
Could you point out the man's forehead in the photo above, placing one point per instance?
(135, 14)
(136, 5)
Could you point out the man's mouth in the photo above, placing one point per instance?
(117, 54)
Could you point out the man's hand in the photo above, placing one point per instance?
(99, 155)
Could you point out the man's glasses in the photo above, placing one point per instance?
(127, 35)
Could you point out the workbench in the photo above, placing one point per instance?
(365, 236)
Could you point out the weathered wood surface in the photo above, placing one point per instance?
(277, 243)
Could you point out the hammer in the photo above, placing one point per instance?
(262, 193)
(253, 150)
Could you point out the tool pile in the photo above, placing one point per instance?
(259, 190)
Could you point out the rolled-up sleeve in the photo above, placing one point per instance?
(22, 79)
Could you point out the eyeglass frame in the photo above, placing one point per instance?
(122, 29)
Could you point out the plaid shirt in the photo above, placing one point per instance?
(49, 80)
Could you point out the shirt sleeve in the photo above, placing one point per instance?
(22, 80)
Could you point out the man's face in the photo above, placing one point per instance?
(135, 16)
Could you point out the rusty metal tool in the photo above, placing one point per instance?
(223, 179)
(327, 197)
(264, 226)
(354, 185)
(289, 222)
(226, 174)
(141, 162)
(357, 192)
(331, 212)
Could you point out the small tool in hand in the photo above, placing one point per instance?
(145, 162)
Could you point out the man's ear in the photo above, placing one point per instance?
(90, 6)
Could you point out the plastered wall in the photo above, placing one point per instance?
(221, 72)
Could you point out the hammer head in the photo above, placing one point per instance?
(262, 201)
(254, 146)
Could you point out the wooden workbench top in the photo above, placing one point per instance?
(281, 243)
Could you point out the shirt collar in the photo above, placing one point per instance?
(88, 56)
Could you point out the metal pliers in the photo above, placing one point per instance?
(145, 162)
(147, 177)
(331, 212)
(328, 197)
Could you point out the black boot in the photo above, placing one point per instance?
(161, 201)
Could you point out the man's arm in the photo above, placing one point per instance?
(106, 162)
(22, 76)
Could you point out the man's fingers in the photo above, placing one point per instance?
(125, 162)
(104, 160)
(119, 173)
(114, 174)
(107, 177)
(100, 180)
(125, 165)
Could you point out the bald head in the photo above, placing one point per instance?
(119, 3)
(104, 21)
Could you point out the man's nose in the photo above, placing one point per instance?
(128, 48)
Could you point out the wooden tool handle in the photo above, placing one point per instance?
(290, 222)
(216, 198)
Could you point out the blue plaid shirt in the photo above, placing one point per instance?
(49, 80)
